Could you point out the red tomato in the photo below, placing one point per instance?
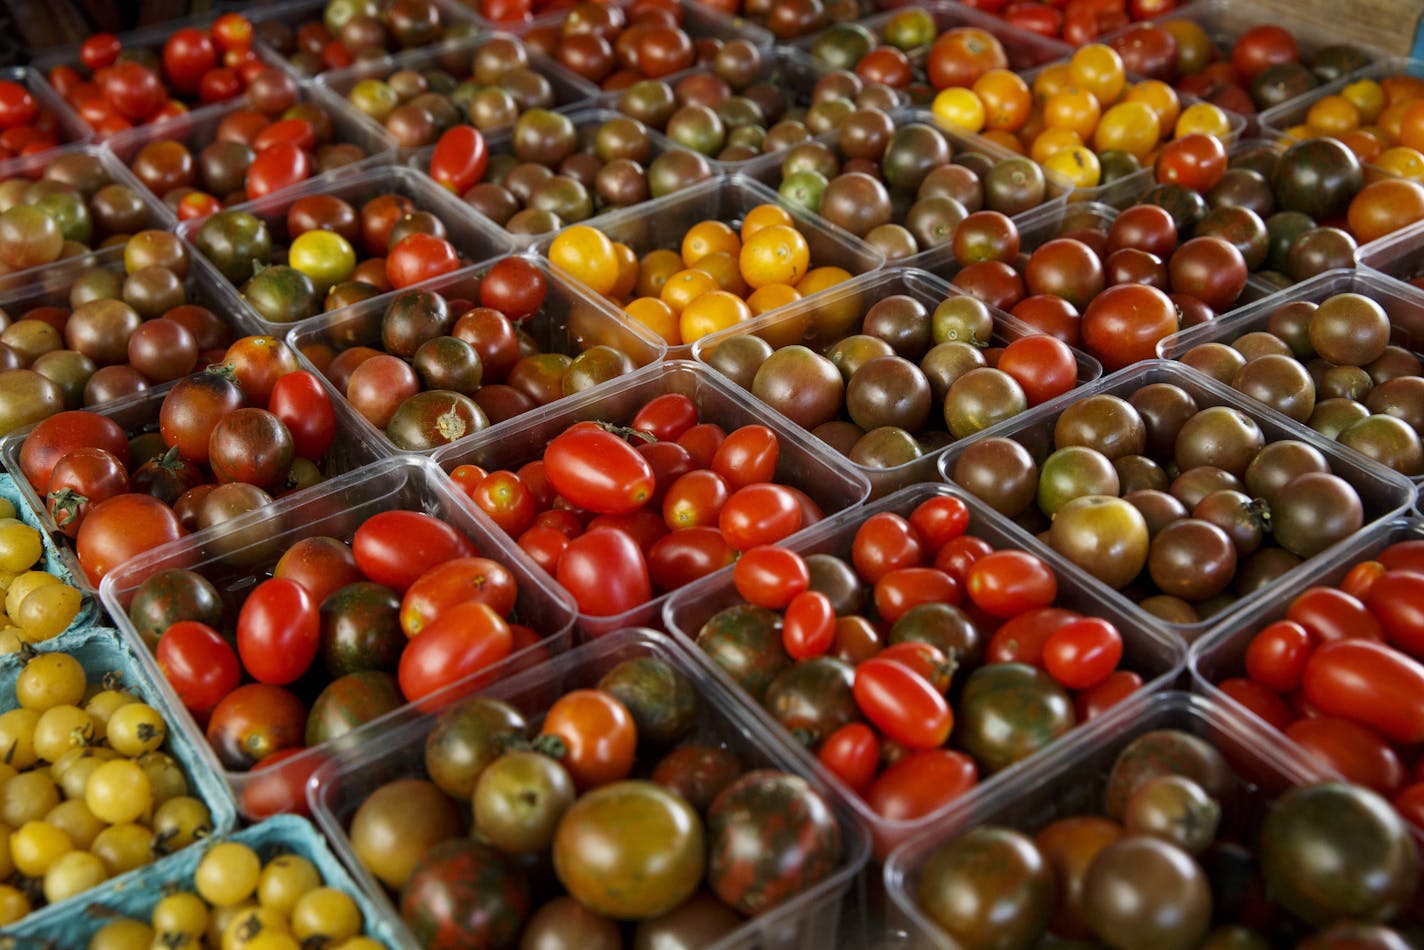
(922, 783)
(277, 166)
(1082, 654)
(669, 462)
(278, 631)
(770, 576)
(278, 784)
(1196, 161)
(536, 478)
(678, 558)
(456, 581)
(219, 85)
(254, 721)
(1035, 17)
(80, 480)
(134, 91)
(545, 545)
(507, 500)
(694, 500)
(959, 554)
(1358, 754)
(926, 659)
(763, 513)
(99, 50)
(120, 528)
(885, 541)
(596, 470)
(418, 257)
(233, 32)
(198, 663)
(460, 157)
(1124, 323)
(906, 587)
(514, 287)
(396, 547)
(17, 106)
(465, 639)
(1021, 639)
(746, 456)
(1404, 556)
(55, 437)
(1360, 578)
(808, 628)
(643, 526)
(322, 565)
(666, 417)
(852, 754)
(300, 400)
(701, 442)
(1369, 683)
(1397, 599)
(1006, 583)
(187, 54)
(298, 132)
(1259, 700)
(1410, 804)
(1277, 655)
(1329, 614)
(902, 704)
(605, 572)
(1092, 703)
(1260, 48)
(939, 520)
(1043, 366)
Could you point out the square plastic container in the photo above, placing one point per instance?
(198, 128)
(238, 554)
(453, 58)
(662, 224)
(1403, 304)
(805, 462)
(571, 321)
(58, 561)
(1070, 780)
(1158, 657)
(136, 894)
(473, 238)
(1384, 494)
(104, 654)
(806, 922)
(840, 314)
(454, 20)
(1399, 255)
(72, 130)
(697, 20)
(587, 123)
(939, 259)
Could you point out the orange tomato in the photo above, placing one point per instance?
(774, 255)
(708, 237)
(686, 286)
(764, 216)
(1006, 99)
(587, 255)
(710, 312)
(598, 733)
(656, 316)
(1098, 68)
(654, 270)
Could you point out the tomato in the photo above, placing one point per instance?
(1124, 323)
(1368, 683)
(191, 410)
(666, 417)
(419, 256)
(959, 554)
(599, 735)
(1360, 578)
(459, 159)
(1022, 638)
(701, 442)
(200, 665)
(694, 500)
(257, 362)
(1082, 654)
(770, 576)
(939, 520)
(1196, 161)
(1260, 48)
(746, 456)
(507, 500)
(852, 754)
(321, 564)
(605, 572)
(280, 165)
(885, 541)
(962, 54)
(678, 558)
(300, 400)
(456, 581)
(99, 50)
(254, 721)
(904, 588)
(396, 547)
(250, 445)
(133, 90)
(1329, 614)
(596, 470)
(902, 704)
(1404, 556)
(1006, 583)
(55, 437)
(762, 513)
(278, 786)
(922, 783)
(1092, 703)
(1277, 655)
(1396, 599)
(669, 462)
(643, 526)
(808, 628)
(80, 480)
(462, 640)
(926, 660)
(514, 287)
(1410, 804)
(1357, 753)
(545, 545)
(233, 32)
(278, 631)
(120, 528)
(1035, 17)
(187, 54)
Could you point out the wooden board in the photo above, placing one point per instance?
(1389, 25)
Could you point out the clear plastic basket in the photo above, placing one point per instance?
(72, 129)
(662, 224)
(135, 895)
(844, 308)
(1383, 493)
(472, 237)
(807, 922)
(805, 462)
(238, 554)
(198, 128)
(1155, 655)
(571, 321)
(1070, 781)
(104, 654)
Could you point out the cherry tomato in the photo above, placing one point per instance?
(1277, 655)
(1021, 639)
(959, 554)
(1042, 365)
(396, 547)
(907, 587)
(1329, 614)
(701, 442)
(80, 480)
(885, 541)
(300, 400)
(1397, 600)
(902, 704)
(1092, 703)
(460, 157)
(1357, 753)
(545, 545)
(1259, 700)
(1006, 583)
(1082, 654)
(254, 721)
(277, 784)
(514, 287)
(694, 500)
(762, 513)
(199, 664)
(808, 628)
(678, 558)
(463, 640)
(1404, 556)
(939, 520)
(666, 417)
(606, 573)
(922, 783)
(1368, 683)
(852, 754)
(746, 456)
(99, 50)
(1410, 804)
(219, 85)
(456, 581)
(278, 631)
(599, 736)
(770, 576)
(420, 256)
(1196, 161)
(120, 528)
(669, 462)
(507, 500)
(596, 470)
(187, 55)
(279, 165)
(926, 659)
(1361, 578)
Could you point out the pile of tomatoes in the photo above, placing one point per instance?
(38, 605)
(626, 788)
(793, 19)
(228, 440)
(345, 34)
(1074, 21)
(87, 791)
(121, 88)
(1341, 674)
(26, 128)
(954, 617)
(1380, 119)
(1181, 851)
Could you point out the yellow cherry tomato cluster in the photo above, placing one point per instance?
(1075, 112)
(722, 274)
(37, 605)
(237, 902)
(1380, 120)
(86, 790)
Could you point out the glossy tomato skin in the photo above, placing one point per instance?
(678, 558)
(395, 547)
(191, 410)
(122, 527)
(922, 783)
(514, 287)
(761, 513)
(596, 470)
(852, 753)
(57, 436)
(605, 572)
(746, 456)
(1352, 750)
(457, 581)
(278, 631)
(460, 158)
(80, 480)
(1368, 683)
(1397, 599)
(902, 704)
(201, 666)
(464, 639)
(666, 417)
(301, 402)
(254, 721)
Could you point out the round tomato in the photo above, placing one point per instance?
(417, 257)
(278, 784)
(1006, 583)
(666, 417)
(200, 665)
(514, 287)
(191, 410)
(80, 480)
(254, 721)
(301, 401)
(187, 54)
(505, 497)
(678, 558)
(902, 704)
(746, 456)
(462, 640)
(1124, 323)
(1083, 653)
(884, 542)
(852, 754)
(120, 528)
(1022, 638)
(1042, 365)
(1277, 655)
(396, 547)
(597, 470)
(598, 733)
(62, 433)
(939, 520)
(762, 513)
(1092, 703)
(605, 572)
(922, 783)
(278, 631)
(770, 576)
